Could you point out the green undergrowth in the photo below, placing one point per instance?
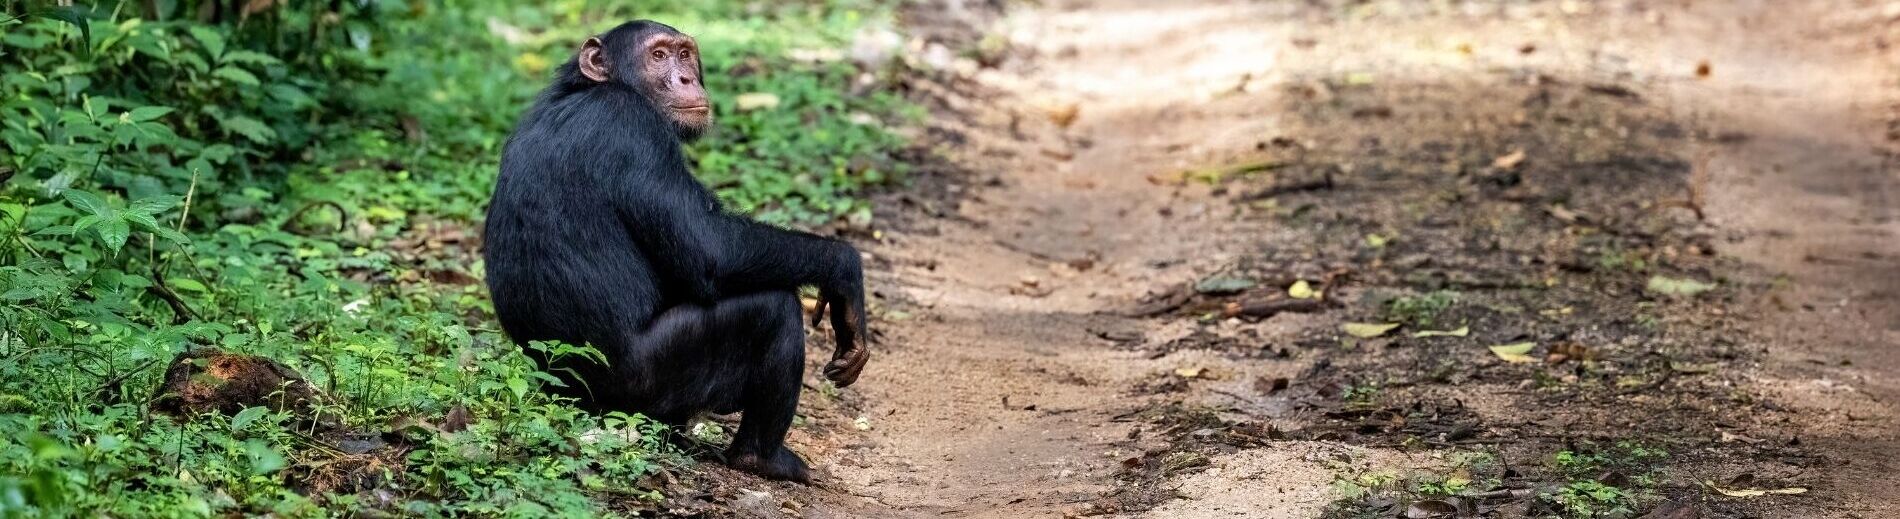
(1586, 481)
(304, 181)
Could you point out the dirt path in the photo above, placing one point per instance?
(1011, 384)
(1000, 397)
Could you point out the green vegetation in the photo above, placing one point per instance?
(1421, 309)
(306, 184)
(1607, 481)
(1590, 482)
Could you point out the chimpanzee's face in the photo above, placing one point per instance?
(670, 72)
(664, 65)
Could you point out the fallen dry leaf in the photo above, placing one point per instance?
(1509, 161)
(1518, 353)
(1677, 287)
(1302, 290)
(1367, 330)
(1063, 114)
(1460, 332)
(1268, 386)
(1754, 492)
(1431, 509)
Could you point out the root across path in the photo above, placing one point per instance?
(1659, 237)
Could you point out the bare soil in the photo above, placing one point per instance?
(1084, 302)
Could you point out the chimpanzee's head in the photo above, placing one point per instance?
(658, 61)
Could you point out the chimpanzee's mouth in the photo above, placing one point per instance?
(693, 108)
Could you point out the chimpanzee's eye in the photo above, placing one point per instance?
(659, 54)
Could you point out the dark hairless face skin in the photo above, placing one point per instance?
(670, 71)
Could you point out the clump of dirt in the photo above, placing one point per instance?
(208, 380)
(340, 461)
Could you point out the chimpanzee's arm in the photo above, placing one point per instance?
(676, 229)
(760, 257)
(710, 254)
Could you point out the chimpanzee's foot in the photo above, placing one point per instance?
(781, 464)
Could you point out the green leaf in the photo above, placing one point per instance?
(1367, 330)
(149, 113)
(250, 128)
(72, 14)
(264, 459)
(153, 205)
(248, 415)
(85, 222)
(10, 217)
(1677, 287)
(88, 202)
(1518, 353)
(187, 285)
(114, 232)
(209, 38)
(518, 386)
(236, 75)
(141, 221)
(290, 95)
(250, 57)
(171, 235)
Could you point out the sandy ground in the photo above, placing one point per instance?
(1012, 381)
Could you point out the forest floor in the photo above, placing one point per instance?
(1658, 241)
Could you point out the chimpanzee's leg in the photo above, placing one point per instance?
(745, 353)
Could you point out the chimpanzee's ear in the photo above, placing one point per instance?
(593, 60)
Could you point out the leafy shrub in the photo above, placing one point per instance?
(305, 182)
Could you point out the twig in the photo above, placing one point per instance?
(1325, 182)
(181, 312)
(1175, 297)
(342, 215)
(1272, 307)
(117, 379)
(189, 191)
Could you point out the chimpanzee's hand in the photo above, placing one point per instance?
(847, 324)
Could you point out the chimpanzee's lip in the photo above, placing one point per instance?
(692, 107)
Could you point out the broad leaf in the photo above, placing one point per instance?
(250, 128)
(142, 221)
(248, 415)
(171, 235)
(236, 75)
(153, 205)
(209, 38)
(250, 57)
(73, 14)
(114, 232)
(149, 113)
(85, 222)
(88, 202)
(10, 217)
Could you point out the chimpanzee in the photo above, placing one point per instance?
(599, 234)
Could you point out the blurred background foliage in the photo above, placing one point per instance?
(305, 181)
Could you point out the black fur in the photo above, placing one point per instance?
(599, 234)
